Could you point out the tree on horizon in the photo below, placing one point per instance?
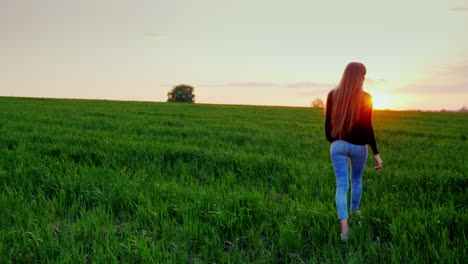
(181, 93)
(318, 103)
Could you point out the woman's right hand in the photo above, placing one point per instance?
(378, 161)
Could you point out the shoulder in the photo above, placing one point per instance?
(367, 97)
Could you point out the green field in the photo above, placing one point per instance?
(85, 181)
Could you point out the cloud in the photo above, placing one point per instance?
(461, 88)
(296, 85)
(459, 69)
(309, 85)
(458, 9)
(444, 80)
(154, 35)
(369, 82)
(312, 94)
(303, 89)
(251, 84)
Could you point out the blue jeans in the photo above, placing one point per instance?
(343, 153)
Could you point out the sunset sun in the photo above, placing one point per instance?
(383, 100)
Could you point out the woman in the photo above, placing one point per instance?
(348, 126)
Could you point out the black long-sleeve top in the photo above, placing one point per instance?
(362, 132)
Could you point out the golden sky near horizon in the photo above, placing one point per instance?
(236, 52)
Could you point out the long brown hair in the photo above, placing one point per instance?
(347, 100)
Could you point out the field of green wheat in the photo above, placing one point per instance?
(87, 181)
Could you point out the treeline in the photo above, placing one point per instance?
(464, 109)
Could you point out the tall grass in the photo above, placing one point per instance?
(85, 181)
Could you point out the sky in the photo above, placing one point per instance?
(256, 52)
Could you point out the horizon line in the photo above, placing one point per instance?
(291, 106)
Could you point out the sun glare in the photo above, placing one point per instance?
(383, 100)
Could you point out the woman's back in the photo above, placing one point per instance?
(362, 132)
